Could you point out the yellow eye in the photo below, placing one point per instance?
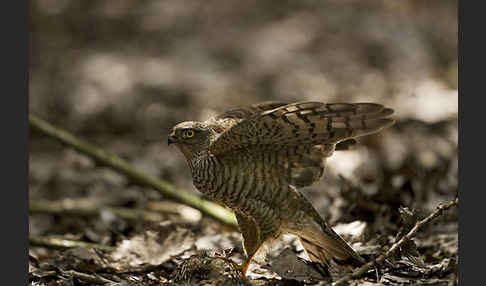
(188, 133)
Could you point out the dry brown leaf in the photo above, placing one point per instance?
(152, 247)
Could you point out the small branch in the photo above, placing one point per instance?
(60, 243)
(116, 163)
(411, 234)
(90, 278)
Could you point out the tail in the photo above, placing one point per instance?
(326, 247)
(322, 244)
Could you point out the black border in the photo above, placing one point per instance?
(15, 156)
(471, 206)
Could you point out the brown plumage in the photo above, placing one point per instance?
(253, 159)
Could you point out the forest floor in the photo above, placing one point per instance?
(120, 74)
(132, 235)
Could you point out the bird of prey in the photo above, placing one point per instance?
(253, 159)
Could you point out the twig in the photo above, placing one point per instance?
(90, 278)
(60, 243)
(116, 163)
(411, 234)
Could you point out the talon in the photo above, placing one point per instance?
(243, 267)
(235, 265)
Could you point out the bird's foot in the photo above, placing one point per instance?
(240, 267)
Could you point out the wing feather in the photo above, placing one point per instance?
(303, 123)
(231, 117)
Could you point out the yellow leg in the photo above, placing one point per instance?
(243, 267)
(235, 265)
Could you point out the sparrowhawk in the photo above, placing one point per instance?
(253, 159)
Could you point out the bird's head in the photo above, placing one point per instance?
(191, 137)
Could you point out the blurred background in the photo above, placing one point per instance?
(121, 73)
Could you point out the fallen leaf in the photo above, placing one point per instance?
(152, 247)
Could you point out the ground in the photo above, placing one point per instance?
(120, 74)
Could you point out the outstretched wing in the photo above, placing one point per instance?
(307, 132)
(304, 123)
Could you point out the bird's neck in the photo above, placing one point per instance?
(199, 164)
(197, 158)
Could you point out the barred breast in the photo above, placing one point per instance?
(249, 183)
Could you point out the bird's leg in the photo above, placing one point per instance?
(243, 267)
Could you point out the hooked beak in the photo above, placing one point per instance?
(172, 139)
